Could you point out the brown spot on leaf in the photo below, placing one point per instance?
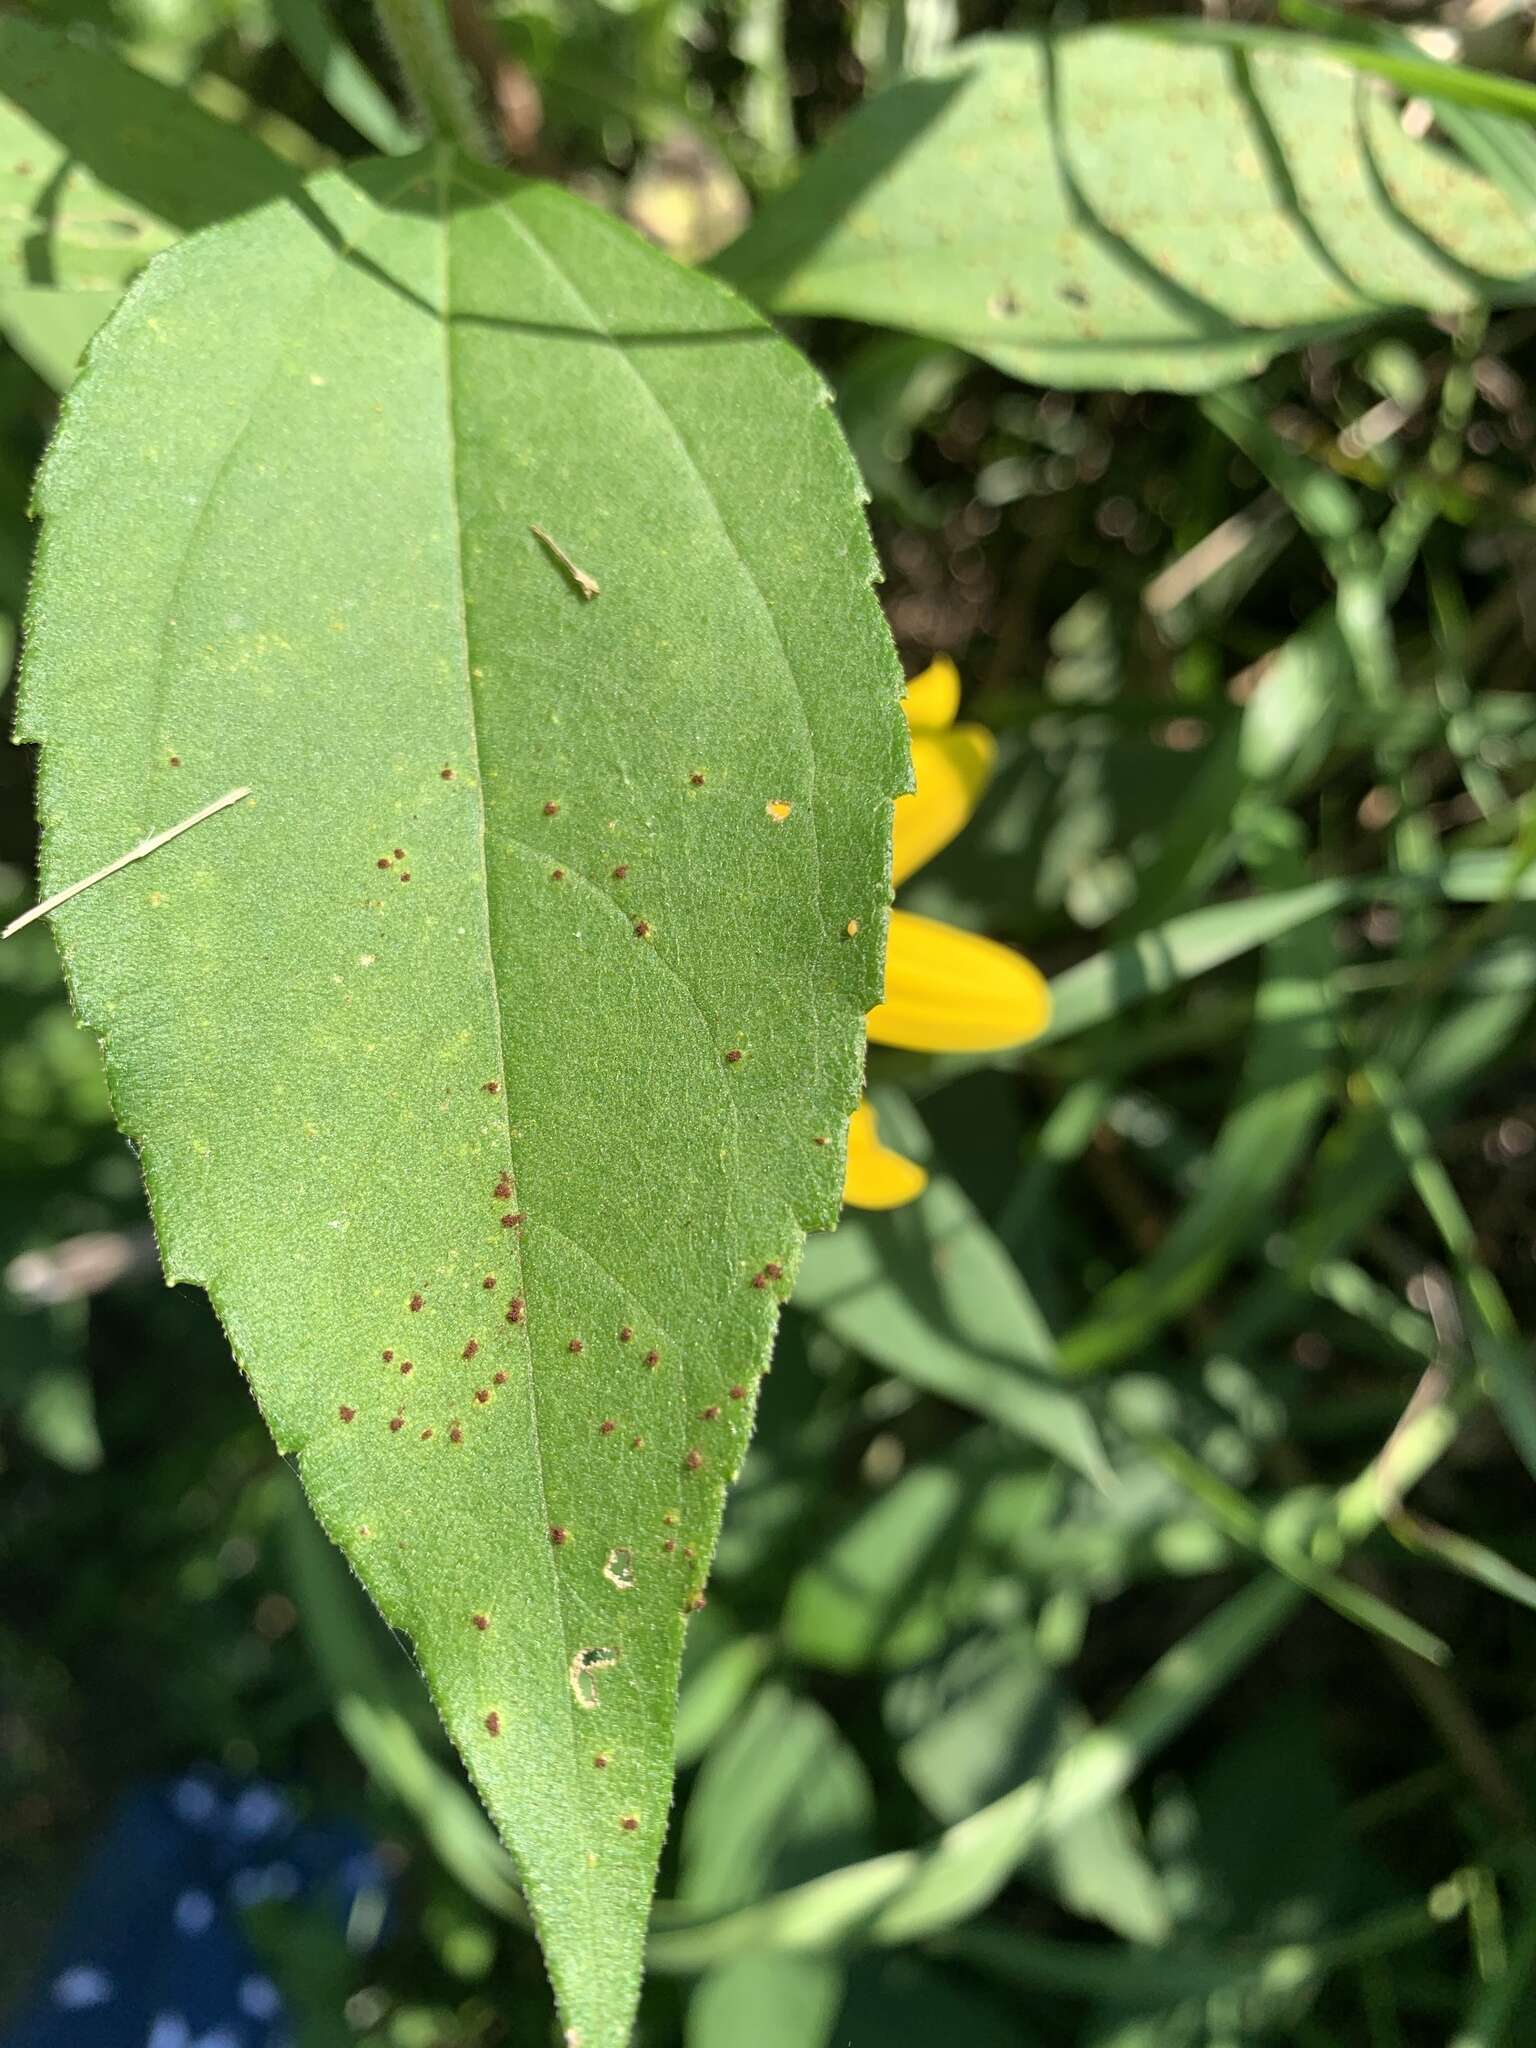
(575, 1345)
(493, 1723)
(557, 1535)
(620, 873)
(482, 1395)
(607, 1426)
(551, 810)
(345, 1412)
(469, 1349)
(710, 1414)
(694, 1460)
(629, 1823)
(488, 1282)
(389, 1358)
(626, 1335)
(396, 1424)
(517, 1309)
(492, 1087)
(499, 1379)
(642, 929)
(653, 1358)
(738, 1393)
(733, 1057)
(446, 774)
(415, 1303)
(481, 1622)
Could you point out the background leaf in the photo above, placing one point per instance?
(929, 1292)
(1108, 207)
(516, 1033)
(101, 166)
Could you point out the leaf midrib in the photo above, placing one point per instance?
(444, 167)
(600, 332)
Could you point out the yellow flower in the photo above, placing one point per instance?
(945, 990)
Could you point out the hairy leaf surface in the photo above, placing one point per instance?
(488, 1061)
(1109, 207)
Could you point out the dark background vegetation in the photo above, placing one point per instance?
(1334, 1793)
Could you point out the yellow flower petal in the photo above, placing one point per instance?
(933, 698)
(950, 991)
(951, 770)
(877, 1177)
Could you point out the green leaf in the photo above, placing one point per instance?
(770, 2000)
(375, 1705)
(1269, 1538)
(929, 1293)
(329, 61)
(101, 166)
(869, 1593)
(992, 1713)
(1135, 1977)
(1284, 1091)
(1110, 207)
(1100, 987)
(720, 1669)
(428, 1045)
(49, 329)
(910, 1894)
(781, 1798)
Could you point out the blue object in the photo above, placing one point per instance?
(152, 1953)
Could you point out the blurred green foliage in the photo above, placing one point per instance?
(1121, 1632)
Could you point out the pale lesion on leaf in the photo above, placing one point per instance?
(619, 1569)
(584, 1668)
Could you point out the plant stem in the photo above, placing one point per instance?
(421, 37)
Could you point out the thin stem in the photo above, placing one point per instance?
(421, 37)
(114, 867)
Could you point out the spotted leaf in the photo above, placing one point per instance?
(1109, 207)
(520, 575)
